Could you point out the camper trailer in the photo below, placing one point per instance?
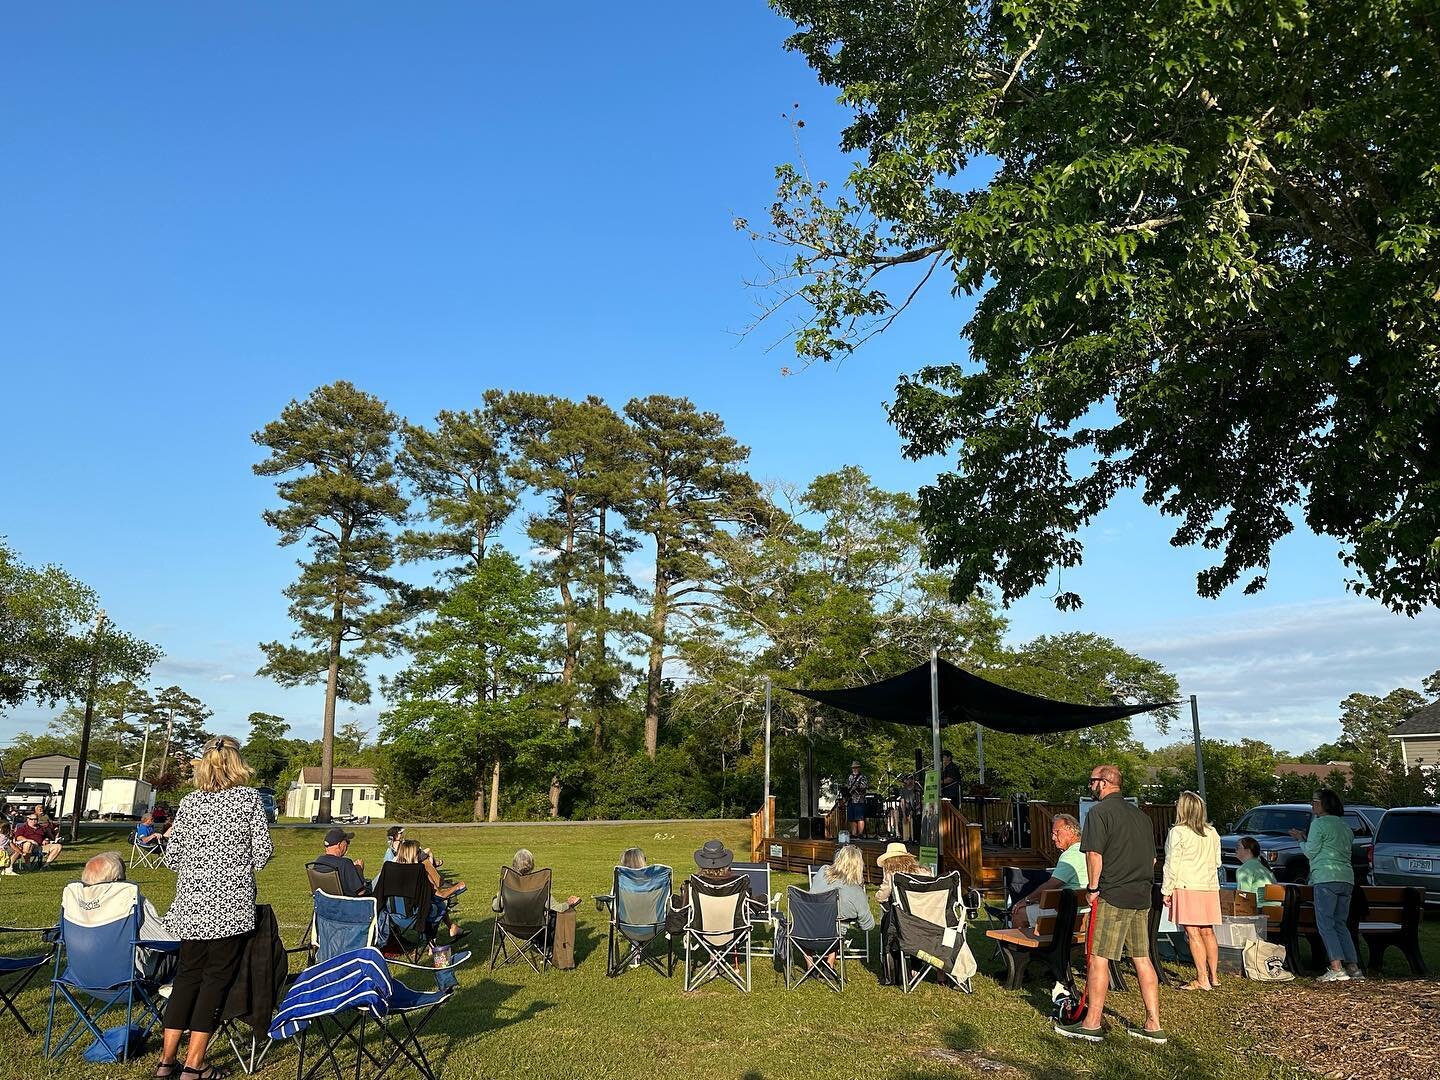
(122, 797)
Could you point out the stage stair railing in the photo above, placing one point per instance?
(759, 829)
(961, 845)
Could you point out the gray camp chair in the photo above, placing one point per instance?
(930, 930)
(717, 932)
(811, 935)
(523, 924)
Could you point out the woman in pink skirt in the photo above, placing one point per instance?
(1191, 885)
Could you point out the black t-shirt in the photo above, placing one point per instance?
(350, 880)
(1121, 833)
(950, 782)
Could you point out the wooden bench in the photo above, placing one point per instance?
(1382, 916)
(1061, 926)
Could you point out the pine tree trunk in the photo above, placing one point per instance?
(597, 735)
(655, 661)
(554, 796)
(495, 791)
(327, 739)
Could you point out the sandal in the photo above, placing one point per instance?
(164, 1070)
(205, 1072)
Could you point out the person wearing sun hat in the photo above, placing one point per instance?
(856, 788)
(896, 859)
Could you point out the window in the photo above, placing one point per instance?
(1275, 821)
(1412, 829)
(361, 796)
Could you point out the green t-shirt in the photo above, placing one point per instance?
(1252, 876)
(1071, 868)
(1123, 836)
(1328, 847)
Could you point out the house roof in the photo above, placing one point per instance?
(1423, 721)
(311, 775)
(1318, 772)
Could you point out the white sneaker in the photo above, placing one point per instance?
(1334, 975)
(1356, 976)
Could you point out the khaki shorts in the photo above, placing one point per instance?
(1120, 930)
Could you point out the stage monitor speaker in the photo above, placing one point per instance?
(804, 828)
(817, 828)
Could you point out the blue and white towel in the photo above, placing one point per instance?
(358, 979)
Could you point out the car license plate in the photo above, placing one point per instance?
(1419, 866)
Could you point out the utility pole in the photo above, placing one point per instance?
(82, 788)
(1199, 757)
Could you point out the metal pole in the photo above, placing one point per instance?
(980, 750)
(769, 826)
(1199, 758)
(82, 788)
(935, 711)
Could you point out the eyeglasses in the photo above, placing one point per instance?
(1096, 780)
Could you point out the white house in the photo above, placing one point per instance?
(354, 792)
(1419, 737)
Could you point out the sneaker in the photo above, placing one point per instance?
(1157, 1036)
(1356, 975)
(1078, 1030)
(1334, 975)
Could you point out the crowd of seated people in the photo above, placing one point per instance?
(36, 838)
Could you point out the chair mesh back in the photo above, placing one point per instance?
(931, 899)
(813, 915)
(759, 878)
(343, 923)
(324, 878)
(717, 909)
(642, 897)
(524, 899)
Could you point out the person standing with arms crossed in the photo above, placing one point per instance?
(1119, 847)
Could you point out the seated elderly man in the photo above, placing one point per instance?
(351, 871)
(1069, 873)
(109, 867)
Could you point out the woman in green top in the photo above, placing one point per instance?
(1328, 847)
(1252, 875)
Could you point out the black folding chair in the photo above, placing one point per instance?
(405, 893)
(813, 938)
(717, 931)
(17, 972)
(324, 878)
(523, 924)
(638, 906)
(257, 990)
(761, 905)
(930, 930)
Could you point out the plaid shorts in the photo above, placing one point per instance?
(1120, 930)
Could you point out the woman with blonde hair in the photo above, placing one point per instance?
(1191, 885)
(846, 875)
(633, 859)
(409, 851)
(219, 839)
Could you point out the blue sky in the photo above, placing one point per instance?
(208, 210)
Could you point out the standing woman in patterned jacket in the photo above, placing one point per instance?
(220, 838)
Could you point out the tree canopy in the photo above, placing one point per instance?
(1206, 243)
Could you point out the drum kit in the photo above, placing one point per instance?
(899, 807)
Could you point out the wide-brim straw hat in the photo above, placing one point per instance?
(893, 850)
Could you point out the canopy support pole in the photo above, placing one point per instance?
(769, 826)
(980, 751)
(930, 822)
(1199, 758)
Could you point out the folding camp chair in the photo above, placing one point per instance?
(257, 990)
(762, 907)
(637, 907)
(147, 855)
(336, 1000)
(17, 972)
(523, 924)
(930, 930)
(717, 930)
(405, 895)
(343, 924)
(812, 935)
(857, 949)
(99, 936)
(324, 878)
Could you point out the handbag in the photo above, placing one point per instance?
(1265, 962)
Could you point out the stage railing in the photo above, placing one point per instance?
(961, 846)
(758, 830)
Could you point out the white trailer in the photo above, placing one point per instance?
(121, 797)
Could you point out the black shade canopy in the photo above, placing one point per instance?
(967, 698)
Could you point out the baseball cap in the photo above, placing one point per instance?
(336, 835)
(394, 831)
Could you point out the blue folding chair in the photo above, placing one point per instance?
(336, 999)
(638, 905)
(100, 943)
(17, 972)
(342, 924)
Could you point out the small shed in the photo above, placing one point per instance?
(61, 770)
(354, 791)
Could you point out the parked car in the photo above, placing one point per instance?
(267, 800)
(1407, 850)
(1271, 825)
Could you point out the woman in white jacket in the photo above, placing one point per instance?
(1191, 885)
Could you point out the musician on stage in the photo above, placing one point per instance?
(949, 778)
(856, 788)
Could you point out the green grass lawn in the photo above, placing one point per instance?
(573, 1025)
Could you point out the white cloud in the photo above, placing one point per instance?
(1279, 674)
(227, 677)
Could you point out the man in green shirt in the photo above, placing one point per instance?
(1119, 846)
(1069, 872)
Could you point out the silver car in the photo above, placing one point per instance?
(1407, 850)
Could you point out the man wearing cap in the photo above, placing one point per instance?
(351, 871)
(856, 788)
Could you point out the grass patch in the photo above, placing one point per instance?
(579, 1024)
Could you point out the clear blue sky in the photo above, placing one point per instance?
(208, 210)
